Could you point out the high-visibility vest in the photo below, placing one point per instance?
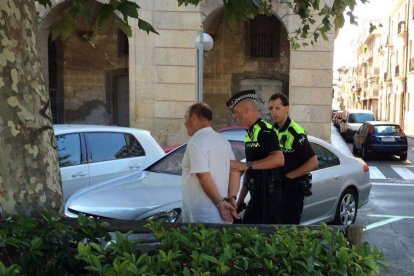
(289, 135)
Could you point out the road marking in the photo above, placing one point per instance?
(389, 220)
(375, 173)
(392, 184)
(404, 172)
(390, 216)
(380, 223)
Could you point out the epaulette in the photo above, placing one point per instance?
(263, 125)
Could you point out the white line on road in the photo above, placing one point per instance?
(389, 220)
(404, 173)
(392, 184)
(390, 216)
(381, 223)
(375, 173)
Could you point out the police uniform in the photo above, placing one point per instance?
(264, 186)
(297, 150)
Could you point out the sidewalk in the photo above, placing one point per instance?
(338, 142)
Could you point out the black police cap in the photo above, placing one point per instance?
(239, 96)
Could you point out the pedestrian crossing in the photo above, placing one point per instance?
(392, 173)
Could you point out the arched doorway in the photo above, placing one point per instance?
(246, 55)
(88, 78)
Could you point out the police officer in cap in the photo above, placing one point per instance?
(263, 158)
(300, 159)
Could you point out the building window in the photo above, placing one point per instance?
(122, 44)
(263, 37)
(56, 95)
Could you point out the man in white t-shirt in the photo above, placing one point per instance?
(209, 187)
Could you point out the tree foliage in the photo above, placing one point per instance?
(317, 17)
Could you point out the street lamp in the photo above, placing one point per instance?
(204, 43)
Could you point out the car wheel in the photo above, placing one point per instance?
(354, 149)
(364, 154)
(347, 208)
(403, 156)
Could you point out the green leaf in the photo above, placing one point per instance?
(105, 14)
(124, 27)
(64, 27)
(36, 243)
(340, 21)
(81, 9)
(145, 26)
(129, 9)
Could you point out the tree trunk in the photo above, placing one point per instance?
(29, 169)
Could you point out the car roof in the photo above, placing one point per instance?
(69, 128)
(375, 123)
(358, 111)
(233, 133)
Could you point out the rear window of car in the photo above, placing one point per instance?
(387, 129)
(68, 149)
(360, 117)
(325, 157)
(105, 146)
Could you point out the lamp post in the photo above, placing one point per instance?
(204, 43)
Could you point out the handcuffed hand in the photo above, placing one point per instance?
(227, 211)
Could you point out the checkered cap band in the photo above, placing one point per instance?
(238, 97)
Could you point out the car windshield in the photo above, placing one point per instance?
(171, 163)
(360, 117)
(387, 129)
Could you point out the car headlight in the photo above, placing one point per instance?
(75, 212)
(167, 216)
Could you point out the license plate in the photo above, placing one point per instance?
(388, 139)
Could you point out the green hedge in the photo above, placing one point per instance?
(46, 246)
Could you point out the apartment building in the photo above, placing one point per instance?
(382, 76)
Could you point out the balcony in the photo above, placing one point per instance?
(387, 77)
(401, 28)
(411, 66)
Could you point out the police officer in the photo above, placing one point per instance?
(263, 156)
(300, 159)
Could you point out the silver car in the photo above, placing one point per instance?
(341, 185)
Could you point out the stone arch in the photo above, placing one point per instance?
(229, 68)
(88, 69)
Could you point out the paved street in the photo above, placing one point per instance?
(388, 218)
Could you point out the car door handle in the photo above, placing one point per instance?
(133, 167)
(79, 174)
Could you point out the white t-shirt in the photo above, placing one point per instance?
(207, 151)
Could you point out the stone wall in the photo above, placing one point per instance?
(163, 70)
(229, 69)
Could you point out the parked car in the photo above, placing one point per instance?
(337, 119)
(334, 111)
(352, 119)
(341, 185)
(380, 137)
(90, 154)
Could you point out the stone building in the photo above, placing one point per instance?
(148, 81)
(381, 78)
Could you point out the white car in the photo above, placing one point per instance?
(341, 185)
(91, 154)
(352, 120)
